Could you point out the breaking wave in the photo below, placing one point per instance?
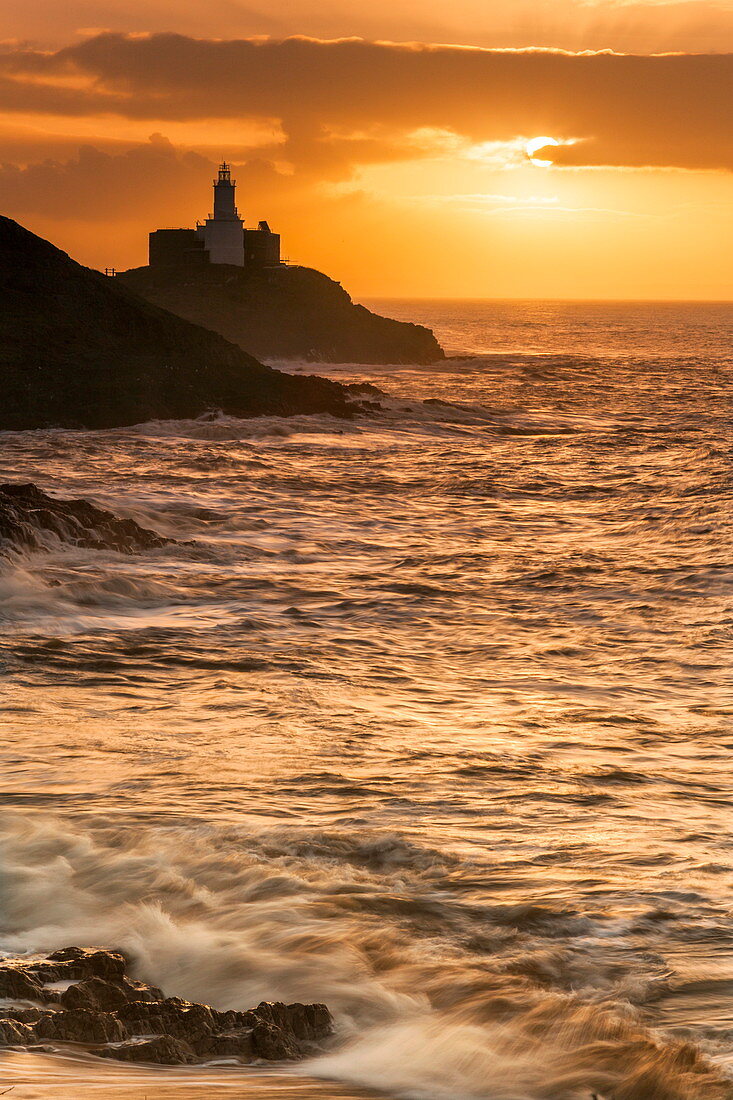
(425, 714)
(433, 997)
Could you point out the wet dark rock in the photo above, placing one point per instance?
(185, 1020)
(80, 1025)
(162, 1050)
(68, 954)
(142, 1016)
(310, 1022)
(46, 971)
(79, 350)
(272, 1043)
(118, 1017)
(22, 1015)
(227, 1044)
(139, 991)
(232, 1020)
(15, 1034)
(89, 963)
(17, 985)
(27, 517)
(46, 974)
(94, 993)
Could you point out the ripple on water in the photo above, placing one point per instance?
(432, 721)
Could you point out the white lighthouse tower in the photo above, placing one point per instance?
(223, 232)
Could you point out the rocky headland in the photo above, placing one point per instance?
(32, 520)
(83, 998)
(80, 350)
(283, 313)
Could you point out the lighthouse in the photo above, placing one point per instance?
(221, 239)
(223, 231)
(224, 188)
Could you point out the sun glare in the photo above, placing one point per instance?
(535, 144)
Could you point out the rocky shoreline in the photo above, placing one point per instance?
(28, 517)
(83, 998)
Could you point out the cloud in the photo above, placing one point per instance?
(89, 184)
(346, 102)
(643, 26)
(139, 184)
(501, 205)
(486, 198)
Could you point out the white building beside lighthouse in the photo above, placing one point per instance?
(221, 239)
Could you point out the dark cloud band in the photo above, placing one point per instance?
(633, 111)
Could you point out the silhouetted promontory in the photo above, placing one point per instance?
(79, 350)
(283, 313)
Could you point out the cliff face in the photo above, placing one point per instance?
(78, 349)
(284, 313)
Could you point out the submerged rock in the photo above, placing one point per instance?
(162, 1049)
(228, 1044)
(104, 1011)
(27, 517)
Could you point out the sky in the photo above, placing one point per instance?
(482, 148)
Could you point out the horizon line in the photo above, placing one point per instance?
(541, 298)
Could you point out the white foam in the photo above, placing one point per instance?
(415, 1015)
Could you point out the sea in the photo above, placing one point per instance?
(427, 715)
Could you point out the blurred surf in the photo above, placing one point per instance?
(430, 720)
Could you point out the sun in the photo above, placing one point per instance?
(535, 144)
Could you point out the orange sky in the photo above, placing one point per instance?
(394, 158)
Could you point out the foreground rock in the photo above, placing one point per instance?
(84, 996)
(79, 350)
(28, 516)
(284, 313)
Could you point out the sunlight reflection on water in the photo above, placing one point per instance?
(432, 721)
